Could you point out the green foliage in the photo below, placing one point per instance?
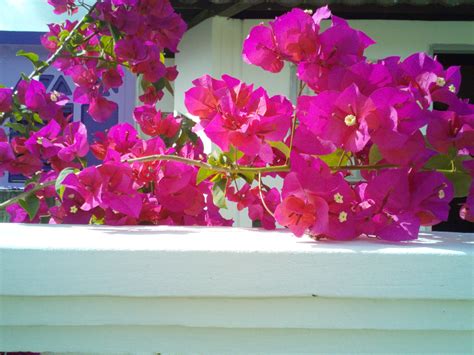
(336, 158)
(31, 205)
(282, 147)
(32, 57)
(374, 155)
(218, 193)
(454, 171)
(203, 174)
(59, 181)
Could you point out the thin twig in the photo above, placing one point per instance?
(293, 123)
(25, 194)
(261, 196)
(52, 58)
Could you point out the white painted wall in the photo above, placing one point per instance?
(201, 290)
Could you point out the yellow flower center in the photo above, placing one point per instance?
(55, 96)
(440, 81)
(452, 88)
(73, 209)
(350, 120)
(338, 198)
(342, 216)
(441, 194)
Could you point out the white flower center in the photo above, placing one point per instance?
(452, 88)
(441, 194)
(440, 81)
(350, 120)
(55, 96)
(338, 198)
(73, 209)
(342, 216)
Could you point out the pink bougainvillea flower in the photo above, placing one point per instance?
(317, 201)
(151, 95)
(44, 143)
(299, 215)
(452, 129)
(61, 6)
(296, 35)
(25, 163)
(427, 79)
(431, 193)
(153, 124)
(368, 77)
(131, 50)
(88, 184)
(388, 196)
(36, 99)
(250, 198)
(340, 118)
(232, 113)
(101, 109)
(6, 157)
(74, 143)
(260, 49)
(176, 176)
(467, 209)
(112, 78)
(118, 193)
(5, 99)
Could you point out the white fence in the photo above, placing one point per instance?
(219, 290)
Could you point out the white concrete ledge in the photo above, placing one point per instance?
(223, 262)
(219, 290)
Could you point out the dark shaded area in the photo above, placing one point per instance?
(466, 91)
(429, 10)
(196, 11)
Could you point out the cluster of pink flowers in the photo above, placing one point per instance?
(233, 114)
(372, 117)
(115, 192)
(361, 110)
(121, 33)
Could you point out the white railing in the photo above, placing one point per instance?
(220, 290)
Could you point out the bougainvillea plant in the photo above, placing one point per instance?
(365, 154)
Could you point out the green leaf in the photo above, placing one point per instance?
(114, 31)
(218, 193)
(374, 155)
(107, 45)
(31, 205)
(33, 57)
(248, 177)
(334, 158)
(203, 174)
(460, 178)
(160, 84)
(63, 35)
(282, 147)
(59, 181)
(20, 128)
(169, 88)
(37, 118)
(232, 156)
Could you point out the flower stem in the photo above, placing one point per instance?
(261, 196)
(25, 194)
(53, 57)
